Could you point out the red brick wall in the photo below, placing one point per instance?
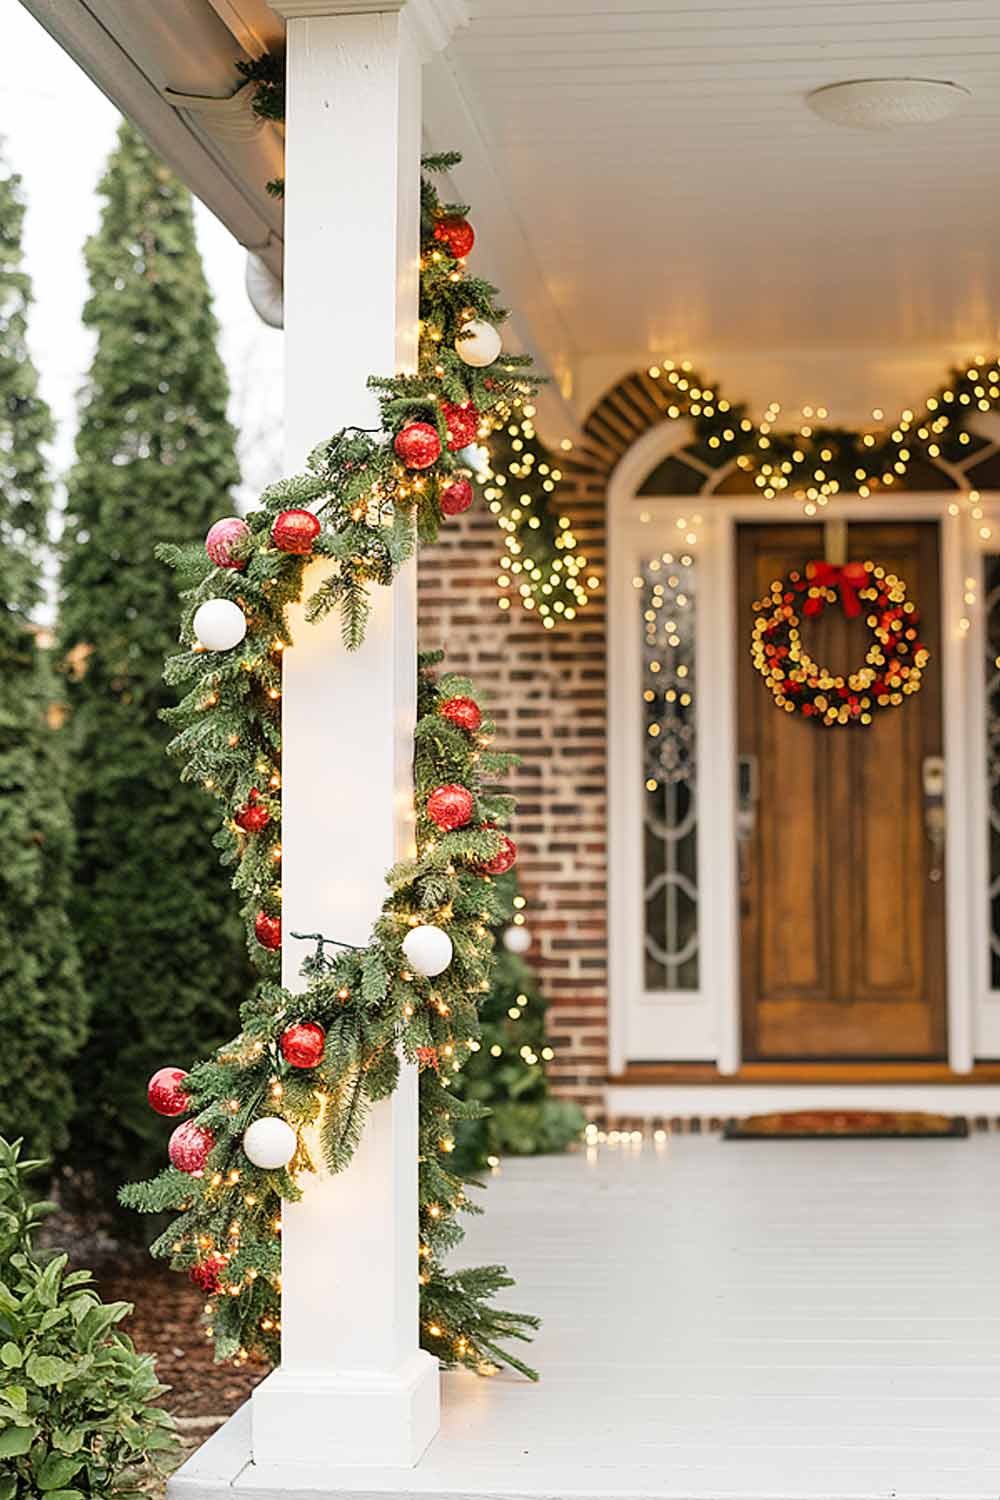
(547, 691)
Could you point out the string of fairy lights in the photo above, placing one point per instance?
(808, 460)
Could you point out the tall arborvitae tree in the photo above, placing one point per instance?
(41, 994)
(155, 457)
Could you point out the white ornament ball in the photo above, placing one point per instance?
(517, 939)
(478, 344)
(269, 1143)
(428, 949)
(219, 624)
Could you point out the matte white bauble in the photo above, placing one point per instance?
(269, 1143)
(478, 344)
(517, 939)
(219, 624)
(428, 949)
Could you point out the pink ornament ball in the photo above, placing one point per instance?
(456, 497)
(165, 1092)
(221, 538)
(189, 1146)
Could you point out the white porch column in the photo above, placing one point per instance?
(353, 1387)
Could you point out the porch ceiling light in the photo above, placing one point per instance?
(887, 103)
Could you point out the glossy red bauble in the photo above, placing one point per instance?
(450, 807)
(189, 1146)
(418, 445)
(295, 531)
(254, 816)
(455, 497)
(165, 1092)
(502, 861)
(302, 1044)
(461, 423)
(456, 234)
(267, 930)
(207, 1274)
(464, 712)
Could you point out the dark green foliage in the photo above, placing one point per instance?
(507, 1076)
(42, 1005)
(77, 1404)
(155, 455)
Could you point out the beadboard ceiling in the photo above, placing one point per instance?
(675, 192)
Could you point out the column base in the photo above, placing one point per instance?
(299, 1431)
(354, 1418)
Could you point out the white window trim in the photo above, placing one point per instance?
(705, 1025)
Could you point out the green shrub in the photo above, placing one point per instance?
(78, 1418)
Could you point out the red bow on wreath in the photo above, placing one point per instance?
(847, 579)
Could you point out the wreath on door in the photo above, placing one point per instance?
(892, 668)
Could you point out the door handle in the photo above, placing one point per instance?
(932, 778)
(747, 797)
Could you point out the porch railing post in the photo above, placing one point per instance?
(353, 1388)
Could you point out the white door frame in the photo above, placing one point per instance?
(707, 1023)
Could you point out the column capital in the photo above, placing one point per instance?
(436, 21)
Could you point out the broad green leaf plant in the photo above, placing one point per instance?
(78, 1412)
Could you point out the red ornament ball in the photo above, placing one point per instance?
(189, 1146)
(221, 538)
(504, 860)
(418, 445)
(461, 424)
(302, 1044)
(450, 806)
(267, 930)
(464, 712)
(455, 497)
(456, 233)
(166, 1093)
(254, 816)
(207, 1274)
(295, 531)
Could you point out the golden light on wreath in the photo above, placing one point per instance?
(893, 665)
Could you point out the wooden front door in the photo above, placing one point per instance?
(841, 889)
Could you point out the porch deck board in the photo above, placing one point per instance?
(766, 1321)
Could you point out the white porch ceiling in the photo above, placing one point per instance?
(677, 195)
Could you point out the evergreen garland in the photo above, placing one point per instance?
(369, 508)
(155, 454)
(42, 1001)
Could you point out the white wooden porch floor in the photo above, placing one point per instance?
(764, 1321)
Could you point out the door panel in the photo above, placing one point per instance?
(841, 925)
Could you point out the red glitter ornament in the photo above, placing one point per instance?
(189, 1146)
(427, 1057)
(456, 233)
(450, 806)
(207, 1274)
(254, 816)
(267, 930)
(502, 861)
(302, 1044)
(165, 1093)
(461, 424)
(295, 531)
(464, 712)
(455, 497)
(418, 445)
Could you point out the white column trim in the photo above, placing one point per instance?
(435, 21)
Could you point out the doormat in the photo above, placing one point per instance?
(846, 1125)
